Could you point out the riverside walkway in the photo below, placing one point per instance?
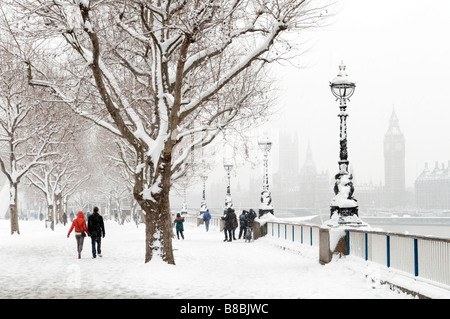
(42, 264)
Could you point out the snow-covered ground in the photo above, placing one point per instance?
(41, 263)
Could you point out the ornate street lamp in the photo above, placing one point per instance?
(228, 167)
(184, 205)
(343, 203)
(266, 200)
(203, 206)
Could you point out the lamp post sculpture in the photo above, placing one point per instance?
(343, 202)
(228, 167)
(266, 200)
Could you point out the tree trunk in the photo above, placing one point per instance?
(158, 222)
(158, 234)
(51, 217)
(58, 208)
(13, 210)
(65, 205)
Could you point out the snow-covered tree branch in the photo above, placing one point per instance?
(156, 73)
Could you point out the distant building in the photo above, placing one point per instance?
(369, 196)
(394, 194)
(302, 188)
(432, 188)
(285, 180)
(315, 190)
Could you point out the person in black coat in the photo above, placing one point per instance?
(242, 223)
(229, 224)
(96, 228)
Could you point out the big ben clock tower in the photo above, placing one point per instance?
(394, 164)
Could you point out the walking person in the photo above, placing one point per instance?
(80, 231)
(179, 226)
(96, 228)
(242, 223)
(206, 219)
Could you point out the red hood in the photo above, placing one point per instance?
(80, 215)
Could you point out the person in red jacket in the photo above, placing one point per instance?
(79, 224)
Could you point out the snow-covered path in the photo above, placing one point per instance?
(41, 263)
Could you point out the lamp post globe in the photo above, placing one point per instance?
(342, 86)
(265, 144)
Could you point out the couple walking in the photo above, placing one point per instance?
(95, 229)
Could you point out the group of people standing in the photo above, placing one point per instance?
(95, 229)
(231, 223)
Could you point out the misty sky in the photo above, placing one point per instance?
(398, 53)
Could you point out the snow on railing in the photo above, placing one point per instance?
(300, 233)
(420, 256)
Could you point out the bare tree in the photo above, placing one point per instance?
(56, 180)
(26, 132)
(156, 72)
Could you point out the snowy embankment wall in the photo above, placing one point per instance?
(413, 263)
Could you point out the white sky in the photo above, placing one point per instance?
(398, 54)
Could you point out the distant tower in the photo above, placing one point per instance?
(394, 164)
(288, 154)
(307, 182)
(285, 180)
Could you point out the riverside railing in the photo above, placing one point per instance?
(420, 256)
(302, 233)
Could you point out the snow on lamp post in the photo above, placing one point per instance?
(203, 206)
(228, 167)
(184, 205)
(343, 202)
(266, 200)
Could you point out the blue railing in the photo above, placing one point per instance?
(301, 233)
(420, 256)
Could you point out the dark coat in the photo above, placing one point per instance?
(179, 223)
(95, 225)
(229, 219)
(243, 219)
(235, 221)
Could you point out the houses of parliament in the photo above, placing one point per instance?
(312, 190)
